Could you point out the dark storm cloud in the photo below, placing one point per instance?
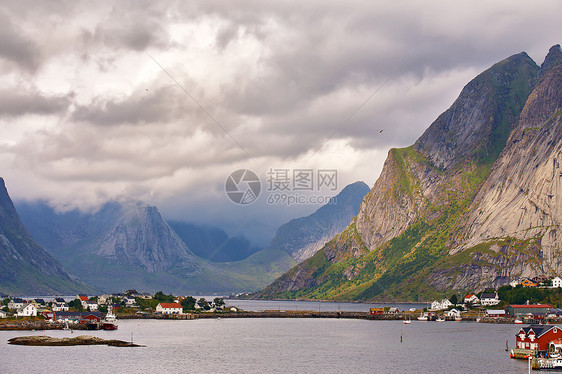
(18, 102)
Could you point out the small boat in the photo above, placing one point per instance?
(407, 321)
(110, 320)
(458, 319)
(440, 319)
(422, 318)
(518, 321)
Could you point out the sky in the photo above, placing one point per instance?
(160, 102)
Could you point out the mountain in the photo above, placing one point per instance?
(213, 243)
(25, 267)
(118, 247)
(129, 245)
(303, 237)
(474, 203)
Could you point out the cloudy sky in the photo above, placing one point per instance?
(161, 101)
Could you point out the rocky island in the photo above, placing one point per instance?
(47, 341)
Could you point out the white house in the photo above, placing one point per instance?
(91, 305)
(440, 305)
(16, 303)
(557, 282)
(59, 305)
(3, 314)
(471, 299)
(453, 313)
(130, 301)
(29, 310)
(489, 299)
(102, 300)
(169, 308)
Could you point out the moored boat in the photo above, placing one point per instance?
(518, 321)
(110, 320)
(422, 317)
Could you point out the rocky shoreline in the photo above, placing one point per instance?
(47, 341)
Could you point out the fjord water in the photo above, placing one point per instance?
(276, 346)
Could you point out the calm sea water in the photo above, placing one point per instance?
(276, 346)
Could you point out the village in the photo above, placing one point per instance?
(86, 312)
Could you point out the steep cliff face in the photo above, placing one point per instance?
(475, 202)
(465, 139)
(25, 267)
(520, 204)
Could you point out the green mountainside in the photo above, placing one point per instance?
(419, 234)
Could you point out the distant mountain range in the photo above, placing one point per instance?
(213, 243)
(476, 202)
(130, 245)
(25, 267)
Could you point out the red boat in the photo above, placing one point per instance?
(110, 320)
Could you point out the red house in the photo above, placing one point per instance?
(376, 311)
(537, 337)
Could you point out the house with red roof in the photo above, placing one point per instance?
(538, 337)
(471, 299)
(169, 308)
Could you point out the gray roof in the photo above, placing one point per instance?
(488, 296)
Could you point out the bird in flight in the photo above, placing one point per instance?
(380, 131)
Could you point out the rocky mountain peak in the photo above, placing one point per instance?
(478, 123)
(553, 58)
(141, 238)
